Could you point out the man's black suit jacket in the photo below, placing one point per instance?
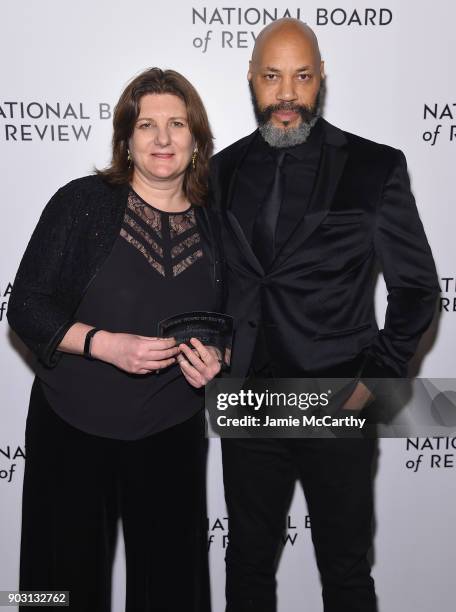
(316, 302)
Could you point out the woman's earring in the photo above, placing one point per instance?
(194, 156)
(129, 158)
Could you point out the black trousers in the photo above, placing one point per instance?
(77, 485)
(259, 476)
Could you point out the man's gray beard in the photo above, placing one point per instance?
(287, 137)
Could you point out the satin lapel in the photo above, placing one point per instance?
(330, 170)
(229, 181)
(243, 244)
(230, 219)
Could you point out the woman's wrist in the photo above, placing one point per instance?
(100, 345)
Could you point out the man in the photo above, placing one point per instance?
(310, 212)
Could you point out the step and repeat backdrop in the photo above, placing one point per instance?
(390, 78)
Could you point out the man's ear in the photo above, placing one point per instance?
(322, 70)
(249, 73)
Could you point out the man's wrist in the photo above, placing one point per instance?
(373, 372)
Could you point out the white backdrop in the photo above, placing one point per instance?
(390, 79)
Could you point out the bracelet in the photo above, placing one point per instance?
(88, 339)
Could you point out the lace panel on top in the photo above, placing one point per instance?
(168, 241)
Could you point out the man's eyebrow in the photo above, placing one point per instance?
(276, 70)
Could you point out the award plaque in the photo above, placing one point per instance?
(210, 328)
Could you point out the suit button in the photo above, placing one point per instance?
(252, 324)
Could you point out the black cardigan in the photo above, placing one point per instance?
(74, 235)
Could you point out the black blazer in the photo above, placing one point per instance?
(74, 235)
(317, 301)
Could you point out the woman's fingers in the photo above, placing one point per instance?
(187, 366)
(158, 343)
(190, 373)
(200, 363)
(194, 359)
(205, 355)
(161, 364)
(210, 355)
(139, 354)
(157, 355)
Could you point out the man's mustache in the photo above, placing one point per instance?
(306, 112)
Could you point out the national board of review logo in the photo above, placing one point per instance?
(254, 16)
(234, 27)
(51, 121)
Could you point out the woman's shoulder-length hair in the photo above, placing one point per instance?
(126, 112)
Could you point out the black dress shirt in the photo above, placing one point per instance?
(255, 176)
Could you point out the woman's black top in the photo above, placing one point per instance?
(157, 268)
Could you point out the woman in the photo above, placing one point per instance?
(115, 425)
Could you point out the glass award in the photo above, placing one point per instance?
(210, 328)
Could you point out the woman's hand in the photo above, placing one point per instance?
(134, 354)
(198, 366)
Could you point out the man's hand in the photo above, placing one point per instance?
(360, 397)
